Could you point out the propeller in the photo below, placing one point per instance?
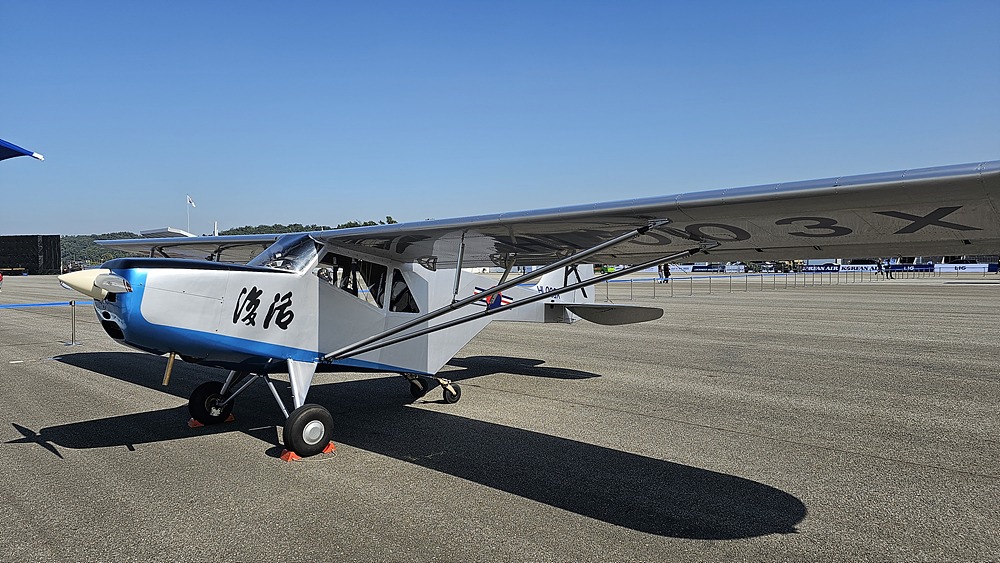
(96, 283)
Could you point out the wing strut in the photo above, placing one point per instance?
(458, 269)
(378, 341)
(346, 351)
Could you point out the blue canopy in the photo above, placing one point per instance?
(10, 150)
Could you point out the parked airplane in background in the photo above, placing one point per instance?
(10, 150)
(395, 297)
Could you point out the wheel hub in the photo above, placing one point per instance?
(213, 407)
(313, 432)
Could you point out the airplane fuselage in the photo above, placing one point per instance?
(225, 315)
(253, 318)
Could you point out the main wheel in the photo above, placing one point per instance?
(308, 430)
(452, 398)
(418, 387)
(204, 403)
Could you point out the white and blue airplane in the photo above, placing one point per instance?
(398, 298)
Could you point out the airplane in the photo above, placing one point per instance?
(10, 150)
(399, 298)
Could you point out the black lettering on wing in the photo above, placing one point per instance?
(826, 226)
(918, 222)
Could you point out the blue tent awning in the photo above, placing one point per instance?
(10, 150)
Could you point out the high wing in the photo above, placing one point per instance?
(238, 249)
(932, 211)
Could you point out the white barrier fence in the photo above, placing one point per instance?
(730, 283)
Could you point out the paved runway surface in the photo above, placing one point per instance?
(853, 422)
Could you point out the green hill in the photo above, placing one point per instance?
(82, 249)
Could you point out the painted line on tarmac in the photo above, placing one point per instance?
(53, 358)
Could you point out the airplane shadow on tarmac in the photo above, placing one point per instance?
(620, 488)
(478, 366)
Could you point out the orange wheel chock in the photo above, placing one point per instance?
(192, 423)
(288, 455)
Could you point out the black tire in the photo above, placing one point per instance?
(452, 398)
(203, 401)
(308, 430)
(418, 387)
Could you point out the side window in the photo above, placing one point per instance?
(400, 298)
(364, 280)
(373, 279)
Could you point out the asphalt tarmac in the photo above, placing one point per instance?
(844, 422)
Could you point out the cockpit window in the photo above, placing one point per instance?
(362, 279)
(400, 298)
(293, 253)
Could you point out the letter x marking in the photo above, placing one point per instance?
(932, 218)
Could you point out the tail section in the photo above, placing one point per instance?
(551, 310)
(573, 305)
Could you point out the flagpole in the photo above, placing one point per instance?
(189, 202)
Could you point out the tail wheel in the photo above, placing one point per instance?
(204, 403)
(308, 430)
(452, 395)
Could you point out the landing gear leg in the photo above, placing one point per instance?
(308, 428)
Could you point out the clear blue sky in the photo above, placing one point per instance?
(324, 112)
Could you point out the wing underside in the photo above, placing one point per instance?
(935, 211)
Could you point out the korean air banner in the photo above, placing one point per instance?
(952, 268)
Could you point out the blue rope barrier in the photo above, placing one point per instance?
(55, 304)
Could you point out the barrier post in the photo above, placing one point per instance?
(691, 284)
(72, 323)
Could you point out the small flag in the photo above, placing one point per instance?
(191, 201)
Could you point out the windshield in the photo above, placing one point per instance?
(293, 253)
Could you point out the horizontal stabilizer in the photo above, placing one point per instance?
(607, 314)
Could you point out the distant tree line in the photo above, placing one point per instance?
(82, 249)
(298, 228)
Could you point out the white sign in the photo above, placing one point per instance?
(976, 268)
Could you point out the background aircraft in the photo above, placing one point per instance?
(10, 150)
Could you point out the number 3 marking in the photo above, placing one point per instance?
(818, 223)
